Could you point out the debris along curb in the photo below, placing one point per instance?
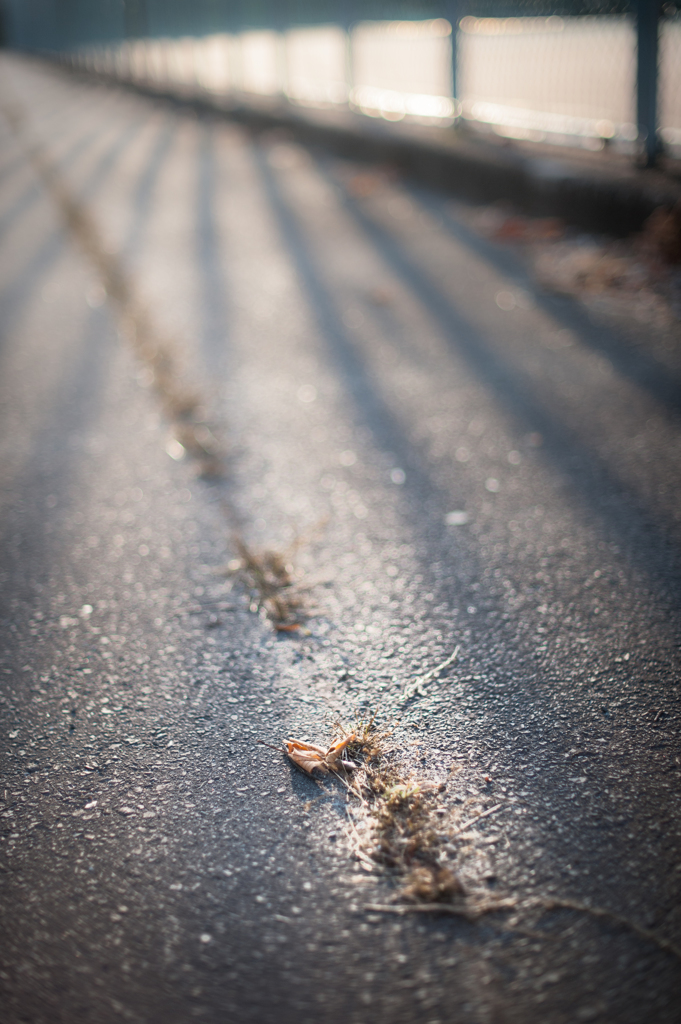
(595, 191)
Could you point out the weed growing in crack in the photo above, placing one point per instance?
(269, 578)
(404, 834)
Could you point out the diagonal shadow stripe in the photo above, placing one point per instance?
(212, 284)
(34, 191)
(18, 291)
(619, 515)
(510, 651)
(72, 407)
(12, 167)
(635, 365)
(143, 196)
(514, 391)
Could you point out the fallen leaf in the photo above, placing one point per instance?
(333, 754)
(307, 756)
(310, 757)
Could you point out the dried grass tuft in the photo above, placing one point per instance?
(269, 577)
(402, 831)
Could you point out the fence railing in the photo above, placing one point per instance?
(594, 74)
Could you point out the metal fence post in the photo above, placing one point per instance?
(347, 14)
(647, 38)
(452, 10)
(279, 20)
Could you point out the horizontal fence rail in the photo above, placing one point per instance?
(595, 74)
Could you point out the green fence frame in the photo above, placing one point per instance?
(61, 26)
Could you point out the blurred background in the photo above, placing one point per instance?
(592, 74)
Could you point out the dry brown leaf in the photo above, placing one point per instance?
(307, 757)
(333, 754)
(310, 757)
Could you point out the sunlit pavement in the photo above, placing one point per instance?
(455, 475)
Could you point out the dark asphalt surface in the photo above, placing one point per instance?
(156, 864)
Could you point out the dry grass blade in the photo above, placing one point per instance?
(478, 817)
(415, 688)
(471, 911)
(555, 903)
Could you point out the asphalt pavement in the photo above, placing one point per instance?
(445, 466)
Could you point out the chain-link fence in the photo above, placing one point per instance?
(547, 72)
